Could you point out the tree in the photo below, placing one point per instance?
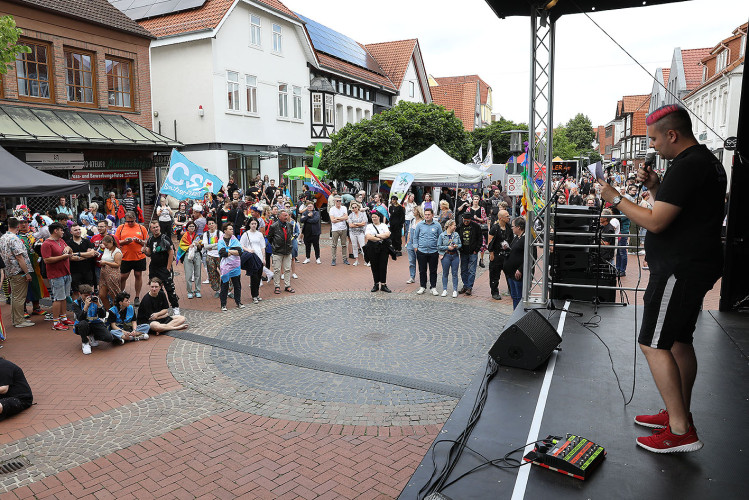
(421, 125)
(360, 151)
(580, 132)
(563, 147)
(9, 48)
(500, 141)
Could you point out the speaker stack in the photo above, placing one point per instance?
(579, 266)
(527, 343)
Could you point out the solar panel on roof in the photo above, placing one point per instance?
(338, 45)
(143, 9)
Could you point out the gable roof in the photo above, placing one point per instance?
(340, 66)
(666, 72)
(459, 97)
(483, 86)
(206, 17)
(692, 61)
(633, 103)
(99, 12)
(393, 57)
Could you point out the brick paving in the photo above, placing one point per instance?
(170, 418)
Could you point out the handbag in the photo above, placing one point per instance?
(387, 244)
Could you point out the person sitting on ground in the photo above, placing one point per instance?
(15, 393)
(153, 313)
(89, 320)
(121, 319)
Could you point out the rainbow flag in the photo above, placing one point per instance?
(386, 186)
(2, 327)
(184, 245)
(314, 183)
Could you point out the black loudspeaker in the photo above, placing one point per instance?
(527, 343)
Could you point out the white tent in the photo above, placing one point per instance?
(434, 167)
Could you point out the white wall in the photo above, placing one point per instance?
(215, 161)
(354, 104)
(410, 76)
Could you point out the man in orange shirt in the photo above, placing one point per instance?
(132, 237)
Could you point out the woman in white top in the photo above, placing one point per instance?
(253, 241)
(376, 234)
(409, 207)
(109, 282)
(357, 221)
(165, 217)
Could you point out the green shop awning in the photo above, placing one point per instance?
(72, 127)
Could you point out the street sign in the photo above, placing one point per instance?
(730, 143)
(515, 185)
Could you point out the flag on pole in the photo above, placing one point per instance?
(318, 155)
(401, 185)
(314, 183)
(187, 180)
(489, 158)
(476, 160)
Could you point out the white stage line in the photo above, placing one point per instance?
(522, 480)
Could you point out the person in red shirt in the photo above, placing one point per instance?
(56, 254)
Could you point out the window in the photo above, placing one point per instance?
(358, 115)
(329, 111)
(283, 100)
(232, 91)
(411, 89)
(367, 96)
(79, 77)
(333, 83)
(251, 90)
(119, 82)
(255, 30)
(340, 87)
(297, 96)
(643, 144)
(720, 61)
(348, 89)
(316, 108)
(277, 38)
(32, 71)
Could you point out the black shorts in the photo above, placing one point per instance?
(671, 308)
(78, 279)
(132, 265)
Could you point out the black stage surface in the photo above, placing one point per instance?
(584, 399)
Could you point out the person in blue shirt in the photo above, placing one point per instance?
(89, 320)
(122, 321)
(425, 239)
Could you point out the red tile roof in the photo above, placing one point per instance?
(483, 86)
(393, 57)
(632, 103)
(99, 12)
(666, 73)
(692, 59)
(204, 18)
(459, 97)
(724, 71)
(335, 64)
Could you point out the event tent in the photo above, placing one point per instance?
(434, 167)
(20, 179)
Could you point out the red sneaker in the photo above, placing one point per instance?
(59, 326)
(657, 421)
(665, 441)
(67, 321)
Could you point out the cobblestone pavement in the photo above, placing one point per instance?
(347, 392)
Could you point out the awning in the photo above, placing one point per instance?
(20, 179)
(21, 125)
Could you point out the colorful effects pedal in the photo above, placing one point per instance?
(574, 455)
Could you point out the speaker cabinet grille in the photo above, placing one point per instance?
(527, 343)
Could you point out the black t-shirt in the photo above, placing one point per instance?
(498, 236)
(514, 262)
(150, 305)
(81, 266)
(11, 375)
(696, 182)
(607, 235)
(160, 247)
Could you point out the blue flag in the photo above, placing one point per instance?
(187, 180)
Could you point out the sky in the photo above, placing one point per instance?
(591, 72)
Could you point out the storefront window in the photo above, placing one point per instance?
(244, 168)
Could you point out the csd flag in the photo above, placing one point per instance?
(401, 185)
(187, 180)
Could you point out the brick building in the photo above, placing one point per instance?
(79, 104)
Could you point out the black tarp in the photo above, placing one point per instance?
(507, 8)
(19, 179)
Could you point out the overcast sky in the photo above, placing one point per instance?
(592, 73)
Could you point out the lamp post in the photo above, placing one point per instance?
(516, 147)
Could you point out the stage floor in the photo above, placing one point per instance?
(583, 398)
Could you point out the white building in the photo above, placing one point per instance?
(403, 64)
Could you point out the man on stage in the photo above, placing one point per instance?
(684, 266)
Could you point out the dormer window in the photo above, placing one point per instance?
(721, 60)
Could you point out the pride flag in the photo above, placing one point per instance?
(314, 183)
(184, 244)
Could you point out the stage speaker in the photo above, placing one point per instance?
(527, 343)
(563, 221)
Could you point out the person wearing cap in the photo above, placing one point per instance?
(129, 203)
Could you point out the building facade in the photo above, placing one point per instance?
(631, 135)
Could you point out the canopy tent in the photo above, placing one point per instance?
(20, 179)
(434, 167)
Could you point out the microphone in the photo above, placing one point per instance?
(649, 160)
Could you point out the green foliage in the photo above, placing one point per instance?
(9, 47)
(500, 141)
(563, 147)
(580, 132)
(360, 151)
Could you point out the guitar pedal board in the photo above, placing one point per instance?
(572, 455)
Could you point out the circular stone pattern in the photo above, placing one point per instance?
(433, 341)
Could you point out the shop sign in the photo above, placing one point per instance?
(119, 164)
(102, 176)
(55, 161)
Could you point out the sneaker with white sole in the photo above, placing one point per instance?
(306, 261)
(206, 282)
(665, 441)
(356, 263)
(175, 311)
(318, 261)
(255, 300)
(57, 326)
(421, 290)
(240, 306)
(410, 280)
(26, 324)
(49, 317)
(444, 293)
(293, 275)
(435, 292)
(455, 295)
(224, 309)
(189, 295)
(92, 341)
(198, 296)
(369, 265)
(86, 348)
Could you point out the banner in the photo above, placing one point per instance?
(187, 180)
(489, 158)
(318, 155)
(314, 183)
(476, 160)
(400, 186)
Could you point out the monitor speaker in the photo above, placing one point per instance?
(527, 343)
